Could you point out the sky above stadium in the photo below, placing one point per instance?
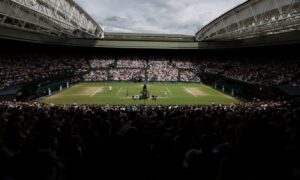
(156, 16)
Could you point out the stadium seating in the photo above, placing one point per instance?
(255, 139)
(24, 68)
(222, 104)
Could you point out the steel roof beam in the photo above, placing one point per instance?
(63, 15)
(250, 17)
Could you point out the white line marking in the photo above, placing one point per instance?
(119, 92)
(99, 89)
(190, 92)
(169, 91)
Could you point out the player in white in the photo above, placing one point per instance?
(110, 88)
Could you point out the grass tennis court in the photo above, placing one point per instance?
(121, 94)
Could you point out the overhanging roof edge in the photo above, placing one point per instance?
(88, 15)
(227, 12)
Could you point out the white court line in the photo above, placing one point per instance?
(190, 92)
(169, 91)
(119, 92)
(99, 89)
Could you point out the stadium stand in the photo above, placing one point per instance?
(257, 139)
(249, 54)
(157, 142)
(263, 70)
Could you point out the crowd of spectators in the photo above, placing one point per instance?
(212, 67)
(98, 75)
(162, 71)
(255, 140)
(189, 76)
(126, 74)
(28, 67)
(263, 70)
(23, 68)
(101, 63)
(265, 73)
(130, 69)
(131, 63)
(184, 64)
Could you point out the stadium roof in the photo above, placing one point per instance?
(68, 24)
(63, 18)
(254, 18)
